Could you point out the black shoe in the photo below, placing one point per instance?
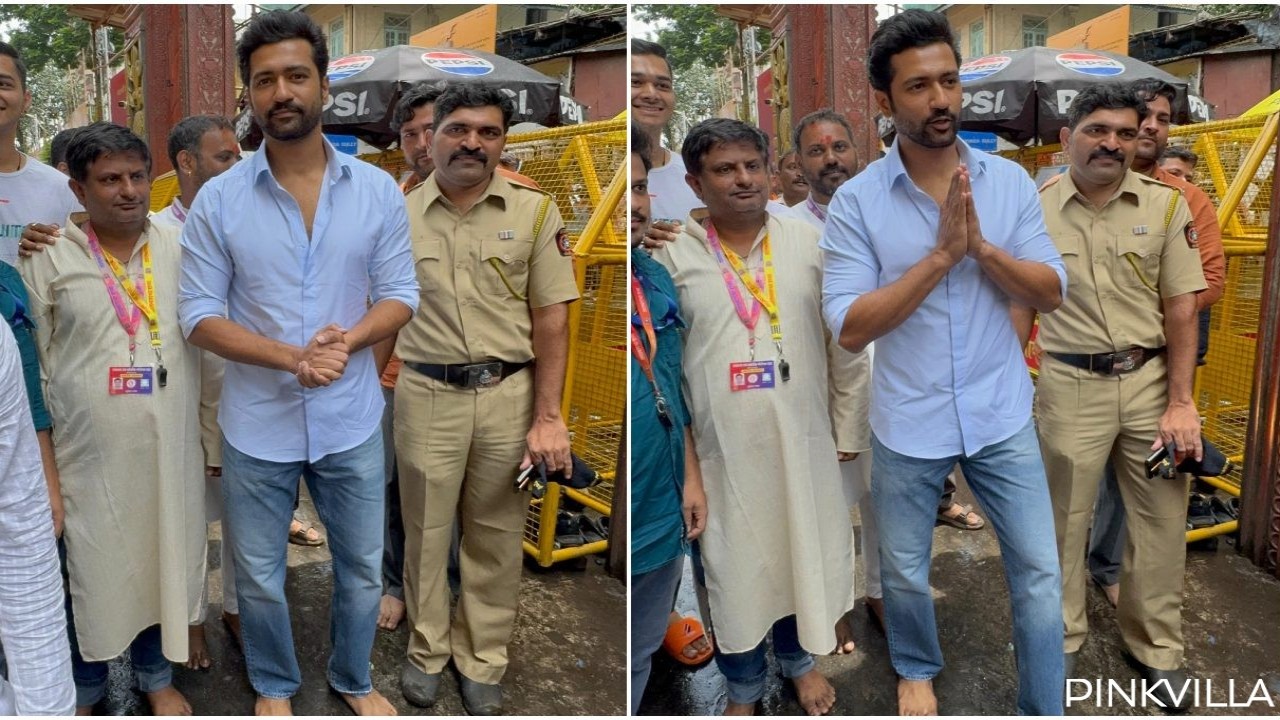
(1174, 694)
(1221, 511)
(419, 688)
(480, 698)
(1199, 512)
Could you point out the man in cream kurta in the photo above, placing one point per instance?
(131, 465)
(777, 552)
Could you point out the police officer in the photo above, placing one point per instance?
(1117, 372)
(472, 406)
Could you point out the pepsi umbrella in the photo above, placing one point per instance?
(1023, 95)
(365, 87)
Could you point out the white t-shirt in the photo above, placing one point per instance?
(35, 193)
(174, 214)
(670, 196)
(801, 211)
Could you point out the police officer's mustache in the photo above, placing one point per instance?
(1105, 153)
(476, 154)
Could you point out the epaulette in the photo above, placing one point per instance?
(1050, 182)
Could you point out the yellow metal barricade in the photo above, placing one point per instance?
(584, 169)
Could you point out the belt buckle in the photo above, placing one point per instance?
(483, 375)
(1125, 361)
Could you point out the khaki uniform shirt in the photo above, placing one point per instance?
(467, 311)
(1121, 261)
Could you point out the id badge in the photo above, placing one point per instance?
(757, 375)
(125, 380)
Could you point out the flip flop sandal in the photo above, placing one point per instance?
(680, 635)
(594, 530)
(300, 537)
(960, 520)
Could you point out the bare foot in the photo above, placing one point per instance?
(844, 634)
(915, 697)
(232, 621)
(390, 612)
(168, 701)
(272, 706)
(198, 654)
(1113, 594)
(372, 704)
(817, 696)
(734, 708)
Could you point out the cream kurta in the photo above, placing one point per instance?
(779, 537)
(132, 466)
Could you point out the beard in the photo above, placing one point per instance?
(294, 128)
(924, 135)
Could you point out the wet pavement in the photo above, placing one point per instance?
(567, 656)
(1231, 624)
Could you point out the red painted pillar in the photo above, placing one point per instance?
(827, 45)
(188, 65)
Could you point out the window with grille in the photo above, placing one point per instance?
(337, 39)
(1034, 32)
(395, 29)
(977, 39)
(533, 16)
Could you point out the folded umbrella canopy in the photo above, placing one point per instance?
(1023, 95)
(365, 87)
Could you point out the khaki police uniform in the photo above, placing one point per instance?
(1121, 261)
(458, 449)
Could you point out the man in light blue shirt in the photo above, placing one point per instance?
(924, 251)
(294, 264)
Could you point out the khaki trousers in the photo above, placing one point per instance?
(1085, 419)
(458, 453)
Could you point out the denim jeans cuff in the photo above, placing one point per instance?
(793, 666)
(152, 679)
(90, 695)
(344, 689)
(746, 693)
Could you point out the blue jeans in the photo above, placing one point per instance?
(349, 489)
(747, 672)
(1008, 480)
(651, 595)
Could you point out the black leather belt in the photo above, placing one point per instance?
(1114, 363)
(471, 375)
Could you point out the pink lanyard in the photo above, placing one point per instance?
(127, 313)
(749, 317)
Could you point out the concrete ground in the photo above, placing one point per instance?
(1231, 617)
(568, 655)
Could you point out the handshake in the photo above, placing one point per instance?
(324, 359)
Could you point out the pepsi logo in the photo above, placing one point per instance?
(1090, 64)
(345, 67)
(457, 63)
(983, 67)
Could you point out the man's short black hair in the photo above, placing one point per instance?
(646, 47)
(473, 95)
(1149, 89)
(718, 131)
(1104, 97)
(59, 144)
(640, 146)
(276, 26)
(102, 138)
(186, 135)
(817, 116)
(11, 51)
(1180, 153)
(424, 93)
(904, 31)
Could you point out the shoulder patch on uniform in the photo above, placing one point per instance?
(1193, 237)
(562, 242)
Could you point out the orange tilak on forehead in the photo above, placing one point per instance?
(827, 139)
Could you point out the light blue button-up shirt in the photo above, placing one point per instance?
(247, 257)
(951, 379)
